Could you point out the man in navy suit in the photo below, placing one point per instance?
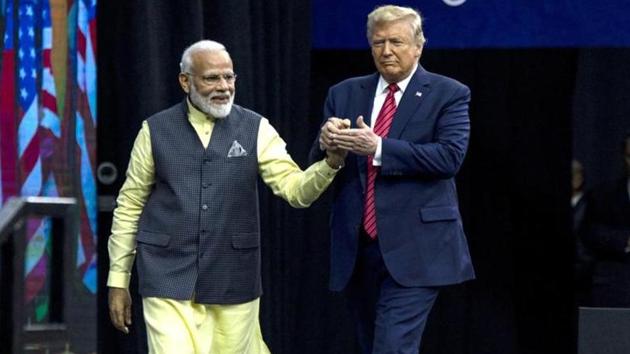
(392, 260)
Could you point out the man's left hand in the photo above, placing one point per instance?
(360, 140)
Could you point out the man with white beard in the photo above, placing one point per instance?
(188, 214)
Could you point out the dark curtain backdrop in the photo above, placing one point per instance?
(514, 185)
(602, 113)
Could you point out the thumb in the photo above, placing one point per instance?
(361, 123)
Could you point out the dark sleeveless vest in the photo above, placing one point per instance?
(199, 233)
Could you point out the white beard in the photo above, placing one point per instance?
(205, 104)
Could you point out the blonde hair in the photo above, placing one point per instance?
(390, 13)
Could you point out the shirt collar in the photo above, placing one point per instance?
(195, 115)
(402, 84)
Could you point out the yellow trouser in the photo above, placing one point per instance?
(184, 327)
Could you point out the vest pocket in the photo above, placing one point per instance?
(246, 240)
(153, 238)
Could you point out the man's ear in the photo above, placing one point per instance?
(184, 82)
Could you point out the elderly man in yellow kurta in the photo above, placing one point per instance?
(188, 214)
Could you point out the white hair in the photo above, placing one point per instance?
(204, 45)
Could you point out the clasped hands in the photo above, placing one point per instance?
(337, 138)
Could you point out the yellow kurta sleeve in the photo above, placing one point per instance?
(285, 178)
(131, 199)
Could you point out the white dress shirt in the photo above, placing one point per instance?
(379, 99)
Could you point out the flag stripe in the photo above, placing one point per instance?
(8, 128)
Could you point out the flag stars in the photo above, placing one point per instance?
(29, 10)
(31, 32)
(32, 53)
(20, 53)
(23, 93)
(22, 73)
(33, 73)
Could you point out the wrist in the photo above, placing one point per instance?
(335, 163)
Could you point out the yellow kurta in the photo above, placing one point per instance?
(277, 169)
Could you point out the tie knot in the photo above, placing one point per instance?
(392, 88)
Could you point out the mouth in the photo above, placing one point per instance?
(220, 99)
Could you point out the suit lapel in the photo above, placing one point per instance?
(366, 99)
(413, 97)
(365, 102)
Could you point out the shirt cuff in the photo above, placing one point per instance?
(118, 280)
(376, 160)
(326, 170)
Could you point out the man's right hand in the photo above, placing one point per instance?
(120, 308)
(329, 130)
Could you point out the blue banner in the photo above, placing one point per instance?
(485, 23)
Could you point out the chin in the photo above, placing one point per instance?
(391, 77)
(220, 111)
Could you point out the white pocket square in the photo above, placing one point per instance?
(236, 150)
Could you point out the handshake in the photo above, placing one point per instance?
(337, 138)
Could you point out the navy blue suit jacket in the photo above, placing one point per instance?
(419, 225)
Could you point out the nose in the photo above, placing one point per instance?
(222, 84)
(387, 50)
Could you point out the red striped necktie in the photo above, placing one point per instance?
(381, 128)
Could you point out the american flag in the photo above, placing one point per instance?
(48, 130)
(50, 116)
(35, 141)
(29, 153)
(86, 138)
(48, 133)
(30, 171)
